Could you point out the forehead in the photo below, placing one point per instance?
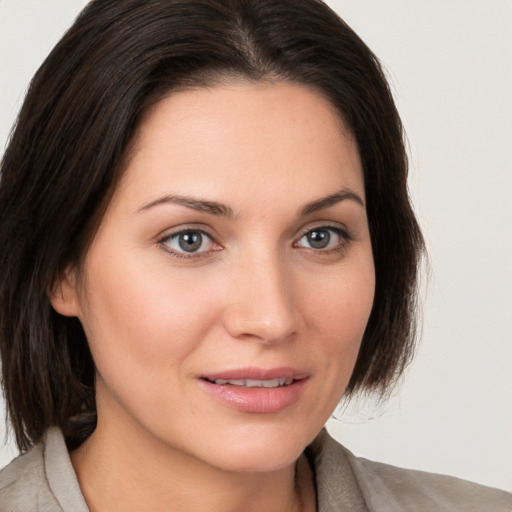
(240, 140)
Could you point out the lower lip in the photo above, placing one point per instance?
(257, 400)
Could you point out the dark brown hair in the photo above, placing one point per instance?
(64, 159)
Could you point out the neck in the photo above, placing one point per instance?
(119, 470)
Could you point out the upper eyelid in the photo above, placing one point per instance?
(171, 235)
(300, 232)
(340, 228)
(163, 242)
(171, 232)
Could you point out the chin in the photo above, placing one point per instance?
(256, 459)
(263, 450)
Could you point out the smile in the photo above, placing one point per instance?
(255, 383)
(256, 390)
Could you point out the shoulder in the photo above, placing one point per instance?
(387, 488)
(24, 486)
(420, 491)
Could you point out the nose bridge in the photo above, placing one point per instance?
(263, 303)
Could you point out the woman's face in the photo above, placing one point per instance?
(227, 290)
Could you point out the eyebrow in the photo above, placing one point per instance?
(200, 205)
(219, 209)
(331, 200)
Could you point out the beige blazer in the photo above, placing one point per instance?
(43, 480)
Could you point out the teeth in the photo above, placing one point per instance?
(256, 383)
(237, 382)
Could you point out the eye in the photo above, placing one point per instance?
(189, 241)
(323, 238)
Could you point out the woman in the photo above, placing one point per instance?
(205, 219)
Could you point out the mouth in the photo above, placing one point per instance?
(256, 390)
(254, 383)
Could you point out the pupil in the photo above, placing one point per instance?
(190, 242)
(319, 239)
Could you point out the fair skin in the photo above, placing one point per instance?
(235, 247)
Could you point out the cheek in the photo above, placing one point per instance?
(339, 315)
(345, 301)
(143, 319)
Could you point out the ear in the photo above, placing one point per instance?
(64, 295)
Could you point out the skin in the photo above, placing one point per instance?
(256, 293)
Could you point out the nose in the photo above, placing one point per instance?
(262, 304)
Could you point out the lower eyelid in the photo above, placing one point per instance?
(166, 240)
(343, 234)
(345, 238)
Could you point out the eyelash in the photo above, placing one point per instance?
(184, 254)
(345, 239)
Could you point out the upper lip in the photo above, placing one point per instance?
(257, 374)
